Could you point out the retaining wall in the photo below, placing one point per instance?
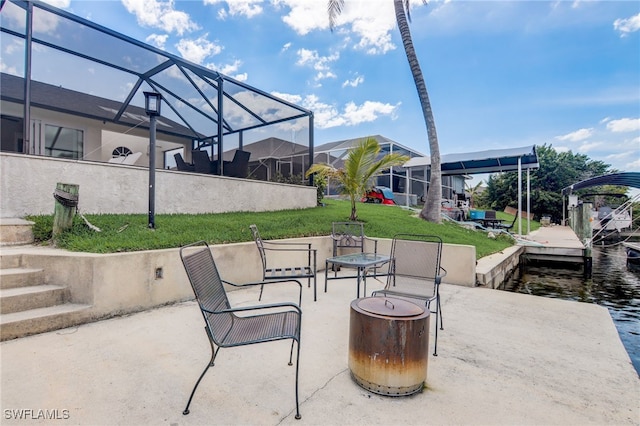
(27, 183)
(122, 283)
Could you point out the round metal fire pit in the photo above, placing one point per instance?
(388, 345)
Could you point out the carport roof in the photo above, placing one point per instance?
(491, 161)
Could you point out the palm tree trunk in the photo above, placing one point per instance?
(431, 209)
(354, 212)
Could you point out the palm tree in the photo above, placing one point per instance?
(360, 167)
(431, 209)
(474, 192)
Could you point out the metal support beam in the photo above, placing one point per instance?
(26, 120)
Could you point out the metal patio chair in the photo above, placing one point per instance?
(202, 162)
(349, 237)
(272, 271)
(256, 324)
(415, 273)
(507, 227)
(182, 165)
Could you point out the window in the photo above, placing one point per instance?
(121, 151)
(63, 142)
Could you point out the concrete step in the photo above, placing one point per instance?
(20, 277)
(15, 232)
(34, 321)
(32, 297)
(10, 260)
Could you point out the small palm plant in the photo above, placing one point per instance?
(360, 167)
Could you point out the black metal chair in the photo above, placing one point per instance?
(182, 165)
(507, 227)
(239, 166)
(202, 162)
(349, 237)
(280, 321)
(271, 271)
(415, 273)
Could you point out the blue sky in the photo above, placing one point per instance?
(500, 74)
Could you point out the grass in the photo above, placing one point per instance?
(124, 233)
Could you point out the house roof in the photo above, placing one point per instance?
(491, 161)
(68, 101)
(350, 143)
(631, 179)
(271, 148)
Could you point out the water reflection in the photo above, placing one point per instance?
(613, 285)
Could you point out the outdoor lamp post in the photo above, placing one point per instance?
(152, 102)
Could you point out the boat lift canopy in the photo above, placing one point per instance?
(631, 179)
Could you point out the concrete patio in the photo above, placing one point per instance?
(503, 359)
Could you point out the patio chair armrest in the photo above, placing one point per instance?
(284, 280)
(256, 283)
(438, 278)
(287, 243)
(375, 243)
(255, 308)
(291, 249)
(308, 250)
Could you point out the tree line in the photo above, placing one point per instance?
(557, 170)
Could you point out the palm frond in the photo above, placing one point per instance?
(334, 8)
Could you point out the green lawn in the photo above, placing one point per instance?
(122, 233)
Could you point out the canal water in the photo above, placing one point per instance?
(613, 285)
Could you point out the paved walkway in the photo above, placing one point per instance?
(504, 359)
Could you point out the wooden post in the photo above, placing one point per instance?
(66, 196)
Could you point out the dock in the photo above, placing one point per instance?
(549, 244)
(557, 244)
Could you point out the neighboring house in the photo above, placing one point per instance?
(274, 157)
(333, 153)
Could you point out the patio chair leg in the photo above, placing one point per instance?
(298, 416)
(211, 363)
(438, 325)
(261, 288)
(291, 353)
(440, 310)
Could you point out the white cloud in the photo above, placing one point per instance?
(241, 77)
(370, 22)
(305, 16)
(286, 47)
(197, 50)
(626, 26)
(589, 146)
(577, 136)
(230, 70)
(319, 63)
(160, 14)
(248, 8)
(634, 165)
(8, 69)
(355, 82)
(624, 125)
(157, 40)
(326, 115)
(227, 69)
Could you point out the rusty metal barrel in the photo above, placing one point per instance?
(388, 345)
